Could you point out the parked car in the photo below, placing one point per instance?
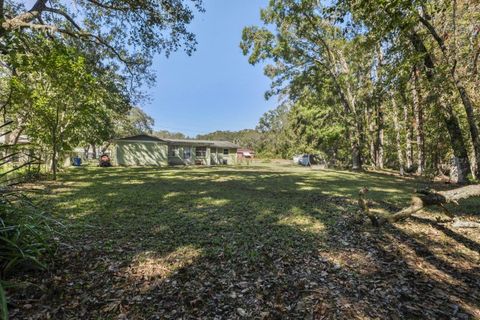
(308, 159)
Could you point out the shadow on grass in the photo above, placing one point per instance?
(242, 242)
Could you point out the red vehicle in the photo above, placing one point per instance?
(105, 161)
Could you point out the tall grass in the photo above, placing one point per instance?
(26, 234)
(26, 239)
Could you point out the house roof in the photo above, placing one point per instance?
(141, 137)
(246, 150)
(209, 143)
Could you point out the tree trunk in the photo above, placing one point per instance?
(379, 114)
(380, 137)
(408, 136)
(94, 151)
(427, 198)
(105, 147)
(357, 144)
(418, 114)
(356, 157)
(467, 103)
(460, 165)
(55, 143)
(371, 135)
(85, 150)
(398, 137)
(451, 61)
(54, 161)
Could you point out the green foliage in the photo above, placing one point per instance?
(25, 235)
(60, 100)
(127, 34)
(134, 123)
(275, 140)
(316, 127)
(26, 239)
(169, 135)
(247, 138)
(342, 63)
(3, 303)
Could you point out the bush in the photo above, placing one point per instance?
(26, 238)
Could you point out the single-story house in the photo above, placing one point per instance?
(146, 150)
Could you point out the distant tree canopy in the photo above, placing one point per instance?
(134, 123)
(247, 138)
(169, 135)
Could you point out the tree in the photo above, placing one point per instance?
(441, 57)
(274, 129)
(316, 127)
(169, 135)
(307, 47)
(130, 32)
(59, 100)
(246, 138)
(392, 77)
(136, 122)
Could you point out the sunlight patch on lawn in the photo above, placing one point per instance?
(81, 207)
(149, 265)
(173, 194)
(388, 190)
(133, 181)
(360, 262)
(305, 186)
(301, 221)
(223, 178)
(213, 202)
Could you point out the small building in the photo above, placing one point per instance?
(246, 154)
(146, 150)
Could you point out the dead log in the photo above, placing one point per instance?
(465, 224)
(363, 204)
(422, 199)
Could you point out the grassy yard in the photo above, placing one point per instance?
(267, 241)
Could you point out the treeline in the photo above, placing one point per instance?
(386, 84)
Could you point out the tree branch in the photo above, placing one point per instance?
(423, 199)
(434, 34)
(26, 17)
(109, 7)
(65, 15)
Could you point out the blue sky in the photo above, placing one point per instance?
(215, 88)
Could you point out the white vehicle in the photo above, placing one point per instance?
(296, 159)
(308, 160)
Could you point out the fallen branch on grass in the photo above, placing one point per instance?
(423, 199)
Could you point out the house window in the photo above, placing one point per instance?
(201, 151)
(187, 153)
(225, 151)
(174, 151)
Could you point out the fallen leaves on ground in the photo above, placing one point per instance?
(253, 255)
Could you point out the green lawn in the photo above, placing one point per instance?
(265, 241)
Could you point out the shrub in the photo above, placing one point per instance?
(26, 238)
